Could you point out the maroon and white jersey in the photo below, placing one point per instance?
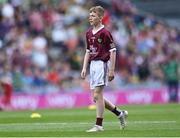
(99, 44)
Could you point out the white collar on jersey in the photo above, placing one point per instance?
(97, 30)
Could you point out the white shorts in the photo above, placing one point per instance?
(98, 73)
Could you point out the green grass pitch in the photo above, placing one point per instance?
(143, 121)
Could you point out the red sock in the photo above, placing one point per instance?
(116, 112)
(99, 121)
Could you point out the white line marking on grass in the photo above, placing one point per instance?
(67, 126)
(87, 123)
(151, 122)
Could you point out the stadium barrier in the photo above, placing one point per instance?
(72, 100)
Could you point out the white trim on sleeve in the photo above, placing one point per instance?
(87, 50)
(113, 49)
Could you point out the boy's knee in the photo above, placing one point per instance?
(97, 93)
(95, 97)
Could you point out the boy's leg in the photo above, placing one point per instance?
(111, 107)
(122, 115)
(99, 101)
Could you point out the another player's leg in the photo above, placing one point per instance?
(99, 100)
(6, 101)
(122, 115)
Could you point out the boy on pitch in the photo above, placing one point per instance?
(101, 55)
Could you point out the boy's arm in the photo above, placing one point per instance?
(85, 64)
(112, 64)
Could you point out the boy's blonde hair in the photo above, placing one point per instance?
(97, 9)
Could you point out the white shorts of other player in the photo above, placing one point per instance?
(98, 73)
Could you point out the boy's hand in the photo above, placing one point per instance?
(83, 73)
(110, 75)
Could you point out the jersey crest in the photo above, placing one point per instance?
(99, 40)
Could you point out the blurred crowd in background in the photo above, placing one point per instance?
(42, 43)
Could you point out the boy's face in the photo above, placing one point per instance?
(94, 19)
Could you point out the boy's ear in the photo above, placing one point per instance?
(100, 17)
